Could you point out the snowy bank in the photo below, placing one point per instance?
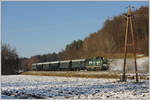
(142, 64)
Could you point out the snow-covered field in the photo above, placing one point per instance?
(27, 86)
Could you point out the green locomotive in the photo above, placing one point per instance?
(98, 63)
(93, 64)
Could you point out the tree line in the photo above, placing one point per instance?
(108, 40)
(10, 60)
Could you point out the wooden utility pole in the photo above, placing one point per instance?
(129, 23)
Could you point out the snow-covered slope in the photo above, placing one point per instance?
(142, 64)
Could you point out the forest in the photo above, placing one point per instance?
(106, 41)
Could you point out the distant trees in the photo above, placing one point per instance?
(9, 60)
(32, 60)
(46, 57)
(141, 29)
(73, 50)
(23, 64)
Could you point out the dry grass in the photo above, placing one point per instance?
(112, 75)
(73, 74)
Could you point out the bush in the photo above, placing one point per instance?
(9, 60)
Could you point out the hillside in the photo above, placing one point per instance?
(110, 39)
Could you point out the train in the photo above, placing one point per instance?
(92, 64)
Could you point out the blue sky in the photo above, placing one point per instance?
(46, 27)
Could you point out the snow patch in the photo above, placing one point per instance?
(142, 64)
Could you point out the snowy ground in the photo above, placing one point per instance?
(27, 86)
(142, 64)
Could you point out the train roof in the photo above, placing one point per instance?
(34, 63)
(53, 62)
(76, 60)
(65, 61)
(39, 63)
(44, 63)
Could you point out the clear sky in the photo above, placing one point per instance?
(46, 27)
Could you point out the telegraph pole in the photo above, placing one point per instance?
(129, 23)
